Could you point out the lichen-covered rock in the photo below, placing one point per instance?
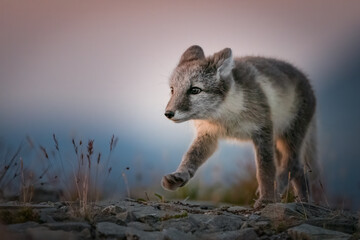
(306, 231)
(128, 219)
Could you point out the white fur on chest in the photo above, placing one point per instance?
(237, 132)
(232, 105)
(282, 103)
(229, 120)
(242, 130)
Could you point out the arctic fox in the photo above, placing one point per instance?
(264, 100)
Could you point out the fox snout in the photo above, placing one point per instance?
(169, 114)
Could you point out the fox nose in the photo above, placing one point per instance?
(169, 114)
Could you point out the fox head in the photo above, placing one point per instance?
(199, 84)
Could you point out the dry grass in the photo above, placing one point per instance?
(86, 174)
(9, 169)
(77, 179)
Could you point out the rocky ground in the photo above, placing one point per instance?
(129, 219)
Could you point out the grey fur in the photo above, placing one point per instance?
(265, 100)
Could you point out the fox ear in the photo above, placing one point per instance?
(224, 62)
(192, 53)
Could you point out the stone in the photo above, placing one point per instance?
(238, 209)
(283, 216)
(306, 231)
(243, 234)
(200, 204)
(109, 229)
(223, 223)
(85, 234)
(203, 222)
(175, 234)
(110, 218)
(178, 220)
(58, 204)
(262, 224)
(21, 227)
(299, 211)
(8, 234)
(206, 205)
(123, 216)
(112, 209)
(279, 236)
(45, 217)
(146, 214)
(16, 205)
(341, 224)
(135, 234)
(186, 225)
(254, 217)
(68, 226)
(281, 211)
(141, 226)
(42, 233)
(244, 225)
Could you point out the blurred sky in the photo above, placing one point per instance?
(90, 69)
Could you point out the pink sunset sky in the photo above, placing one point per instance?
(111, 59)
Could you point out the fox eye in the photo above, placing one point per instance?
(195, 90)
(172, 90)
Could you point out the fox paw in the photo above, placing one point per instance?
(174, 180)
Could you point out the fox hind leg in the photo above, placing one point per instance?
(295, 153)
(290, 168)
(312, 169)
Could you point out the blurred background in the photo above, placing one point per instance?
(90, 70)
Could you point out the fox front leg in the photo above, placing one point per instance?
(200, 150)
